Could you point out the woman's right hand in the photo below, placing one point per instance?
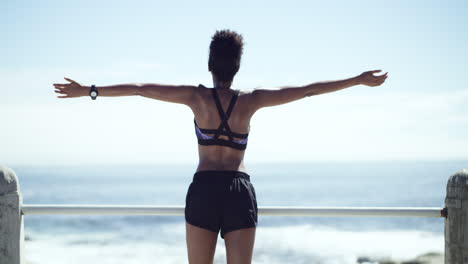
(72, 89)
(367, 78)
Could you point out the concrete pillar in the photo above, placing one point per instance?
(11, 219)
(456, 223)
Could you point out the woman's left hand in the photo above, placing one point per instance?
(70, 90)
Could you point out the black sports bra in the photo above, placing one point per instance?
(223, 129)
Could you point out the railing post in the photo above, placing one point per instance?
(456, 223)
(11, 219)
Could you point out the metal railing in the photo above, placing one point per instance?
(54, 209)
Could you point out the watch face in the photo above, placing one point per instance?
(93, 94)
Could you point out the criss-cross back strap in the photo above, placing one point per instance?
(224, 116)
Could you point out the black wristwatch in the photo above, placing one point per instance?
(93, 92)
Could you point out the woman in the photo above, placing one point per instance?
(220, 196)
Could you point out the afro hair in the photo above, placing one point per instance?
(225, 54)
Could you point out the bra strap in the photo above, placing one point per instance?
(218, 103)
(224, 116)
(231, 105)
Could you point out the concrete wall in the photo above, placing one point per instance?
(11, 220)
(456, 224)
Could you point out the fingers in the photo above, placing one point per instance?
(62, 88)
(377, 80)
(380, 78)
(380, 81)
(61, 85)
(70, 80)
(383, 75)
(372, 80)
(60, 91)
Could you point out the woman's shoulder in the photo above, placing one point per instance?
(248, 91)
(245, 92)
(245, 95)
(249, 94)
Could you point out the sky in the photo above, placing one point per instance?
(419, 113)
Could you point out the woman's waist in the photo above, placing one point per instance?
(216, 170)
(221, 165)
(221, 176)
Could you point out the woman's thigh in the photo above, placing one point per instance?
(239, 245)
(201, 244)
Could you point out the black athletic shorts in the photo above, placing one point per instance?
(223, 200)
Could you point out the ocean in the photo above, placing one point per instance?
(161, 239)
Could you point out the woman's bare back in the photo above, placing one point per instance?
(215, 157)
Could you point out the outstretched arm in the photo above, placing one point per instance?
(182, 94)
(264, 97)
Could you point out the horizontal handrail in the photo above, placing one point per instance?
(55, 209)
